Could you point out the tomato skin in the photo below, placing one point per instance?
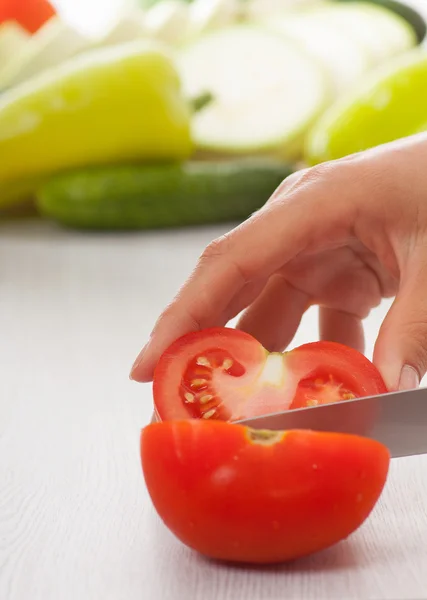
(349, 367)
(174, 362)
(31, 14)
(190, 380)
(233, 499)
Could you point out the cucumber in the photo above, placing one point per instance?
(160, 196)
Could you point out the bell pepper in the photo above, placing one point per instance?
(108, 106)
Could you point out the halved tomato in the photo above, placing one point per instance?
(225, 374)
(237, 494)
(31, 14)
(333, 372)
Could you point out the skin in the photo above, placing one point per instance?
(312, 489)
(342, 235)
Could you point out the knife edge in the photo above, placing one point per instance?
(396, 419)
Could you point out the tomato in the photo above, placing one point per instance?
(225, 374)
(333, 372)
(31, 14)
(236, 494)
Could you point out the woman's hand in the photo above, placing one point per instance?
(342, 235)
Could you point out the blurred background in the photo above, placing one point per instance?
(163, 123)
(151, 114)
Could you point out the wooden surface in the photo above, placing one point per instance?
(75, 520)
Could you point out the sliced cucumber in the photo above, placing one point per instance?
(266, 91)
(344, 58)
(383, 32)
(54, 43)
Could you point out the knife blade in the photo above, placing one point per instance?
(397, 419)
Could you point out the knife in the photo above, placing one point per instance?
(397, 419)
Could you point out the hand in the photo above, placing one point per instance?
(342, 235)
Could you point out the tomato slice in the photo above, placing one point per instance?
(225, 374)
(237, 494)
(332, 372)
(31, 14)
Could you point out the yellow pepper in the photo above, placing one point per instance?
(107, 106)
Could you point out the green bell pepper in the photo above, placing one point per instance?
(108, 106)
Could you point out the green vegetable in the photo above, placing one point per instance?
(108, 106)
(267, 91)
(143, 196)
(390, 105)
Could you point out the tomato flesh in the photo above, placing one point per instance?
(229, 366)
(196, 389)
(333, 373)
(312, 392)
(225, 374)
(237, 494)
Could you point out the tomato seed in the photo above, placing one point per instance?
(203, 361)
(205, 399)
(198, 383)
(209, 414)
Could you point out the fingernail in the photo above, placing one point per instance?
(409, 378)
(138, 360)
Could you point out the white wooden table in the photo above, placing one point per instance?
(75, 519)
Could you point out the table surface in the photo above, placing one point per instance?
(76, 522)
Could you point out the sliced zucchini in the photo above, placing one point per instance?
(261, 9)
(383, 32)
(266, 91)
(344, 58)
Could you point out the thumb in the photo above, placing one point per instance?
(401, 348)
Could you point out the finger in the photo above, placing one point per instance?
(274, 317)
(145, 363)
(244, 298)
(401, 348)
(341, 327)
(257, 248)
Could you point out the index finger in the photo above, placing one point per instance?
(253, 251)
